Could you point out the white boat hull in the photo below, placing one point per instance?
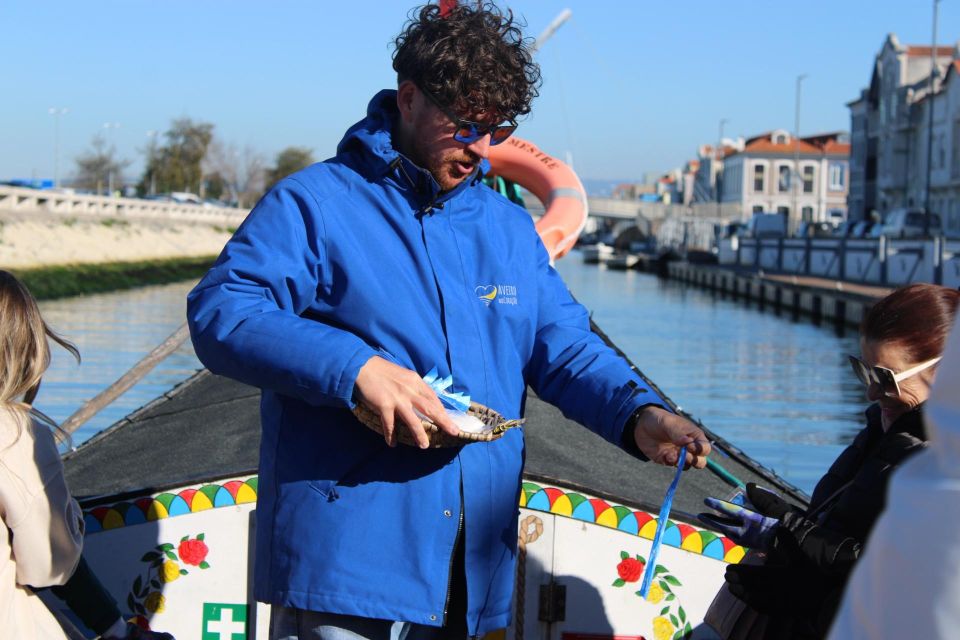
(182, 561)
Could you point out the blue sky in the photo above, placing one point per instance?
(629, 87)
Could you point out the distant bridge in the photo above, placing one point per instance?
(21, 200)
(649, 216)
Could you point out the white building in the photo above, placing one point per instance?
(709, 165)
(804, 180)
(890, 129)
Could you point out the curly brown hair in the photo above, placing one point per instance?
(474, 59)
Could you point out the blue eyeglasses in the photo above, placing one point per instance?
(469, 132)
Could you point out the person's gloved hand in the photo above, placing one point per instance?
(767, 502)
(743, 526)
(766, 588)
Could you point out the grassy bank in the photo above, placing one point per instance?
(61, 281)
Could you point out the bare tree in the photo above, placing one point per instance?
(95, 167)
(241, 172)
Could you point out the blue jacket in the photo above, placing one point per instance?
(358, 256)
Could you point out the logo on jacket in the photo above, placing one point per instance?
(502, 293)
(487, 293)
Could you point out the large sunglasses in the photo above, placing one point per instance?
(885, 378)
(469, 132)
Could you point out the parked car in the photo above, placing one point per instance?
(861, 229)
(182, 197)
(909, 223)
(845, 229)
(766, 225)
(815, 230)
(732, 229)
(836, 217)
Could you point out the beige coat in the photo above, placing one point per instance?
(41, 527)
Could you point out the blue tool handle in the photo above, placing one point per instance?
(661, 525)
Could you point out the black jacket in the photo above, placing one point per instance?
(815, 550)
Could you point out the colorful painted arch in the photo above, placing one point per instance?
(640, 523)
(168, 505)
(533, 496)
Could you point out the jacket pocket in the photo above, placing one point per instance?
(326, 488)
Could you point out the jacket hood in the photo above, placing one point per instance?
(942, 411)
(368, 147)
(370, 140)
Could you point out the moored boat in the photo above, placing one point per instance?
(169, 494)
(596, 253)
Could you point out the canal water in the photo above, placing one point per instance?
(779, 389)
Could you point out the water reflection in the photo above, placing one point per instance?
(780, 390)
(113, 332)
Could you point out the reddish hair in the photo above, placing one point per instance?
(917, 317)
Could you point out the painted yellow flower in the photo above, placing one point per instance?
(170, 571)
(155, 602)
(656, 594)
(662, 628)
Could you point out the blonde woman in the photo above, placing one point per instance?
(41, 526)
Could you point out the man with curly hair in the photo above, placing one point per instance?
(353, 278)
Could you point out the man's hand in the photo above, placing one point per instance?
(397, 394)
(659, 434)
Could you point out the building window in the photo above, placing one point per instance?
(784, 211)
(837, 176)
(808, 179)
(807, 214)
(783, 183)
(758, 208)
(758, 177)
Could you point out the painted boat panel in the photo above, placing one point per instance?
(181, 560)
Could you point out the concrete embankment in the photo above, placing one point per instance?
(60, 255)
(29, 240)
(842, 303)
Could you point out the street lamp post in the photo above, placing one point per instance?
(56, 112)
(110, 126)
(796, 151)
(716, 159)
(151, 150)
(933, 89)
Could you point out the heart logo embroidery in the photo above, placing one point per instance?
(486, 293)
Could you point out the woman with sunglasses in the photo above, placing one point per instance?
(792, 583)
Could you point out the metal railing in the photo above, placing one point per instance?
(21, 200)
(878, 261)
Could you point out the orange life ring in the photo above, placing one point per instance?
(553, 182)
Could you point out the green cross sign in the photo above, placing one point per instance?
(224, 621)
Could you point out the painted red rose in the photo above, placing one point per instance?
(630, 569)
(192, 551)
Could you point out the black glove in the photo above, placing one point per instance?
(767, 502)
(763, 587)
(136, 633)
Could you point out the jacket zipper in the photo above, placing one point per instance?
(453, 557)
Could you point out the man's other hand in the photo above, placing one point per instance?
(397, 394)
(660, 434)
